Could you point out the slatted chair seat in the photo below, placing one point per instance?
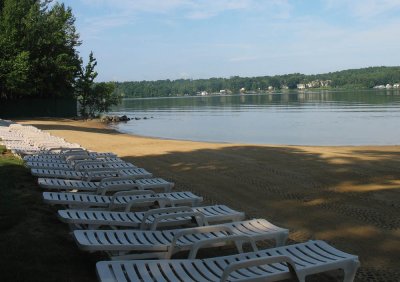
(266, 265)
(152, 219)
(65, 165)
(136, 244)
(88, 165)
(94, 174)
(105, 184)
(120, 200)
(51, 157)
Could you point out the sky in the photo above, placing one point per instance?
(137, 40)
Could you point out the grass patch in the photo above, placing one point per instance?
(34, 245)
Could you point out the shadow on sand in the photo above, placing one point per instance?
(351, 202)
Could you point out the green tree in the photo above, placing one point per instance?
(38, 54)
(93, 98)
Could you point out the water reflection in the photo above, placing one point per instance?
(311, 118)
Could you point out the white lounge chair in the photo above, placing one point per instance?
(96, 172)
(287, 262)
(151, 219)
(61, 154)
(71, 162)
(121, 200)
(139, 244)
(83, 166)
(105, 185)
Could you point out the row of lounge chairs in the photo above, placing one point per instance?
(122, 210)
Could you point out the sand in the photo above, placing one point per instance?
(348, 196)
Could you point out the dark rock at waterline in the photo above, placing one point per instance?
(114, 118)
(108, 119)
(124, 118)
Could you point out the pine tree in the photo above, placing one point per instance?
(93, 98)
(38, 56)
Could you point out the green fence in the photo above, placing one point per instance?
(29, 108)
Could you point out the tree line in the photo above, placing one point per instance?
(353, 78)
(39, 57)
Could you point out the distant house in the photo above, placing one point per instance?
(223, 91)
(396, 85)
(203, 93)
(270, 88)
(325, 83)
(301, 86)
(388, 86)
(242, 90)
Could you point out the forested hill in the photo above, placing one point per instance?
(353, 78)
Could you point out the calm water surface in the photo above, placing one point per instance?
(310, 118)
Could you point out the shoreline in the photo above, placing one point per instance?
(346, 195)
(238, 143)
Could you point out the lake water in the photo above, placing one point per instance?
(309, 118)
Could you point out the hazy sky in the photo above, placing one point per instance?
(171, 39)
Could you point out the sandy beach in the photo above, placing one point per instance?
(348, 196)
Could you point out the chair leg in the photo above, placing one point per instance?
(350, 271)
(280, 240)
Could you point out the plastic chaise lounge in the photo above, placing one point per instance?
(93, 172)
(80, 167)
(105, 185)
(122, 200)
(139, 244)
(60, 154)
(171, 217)
(288, 262)
(71, 162)
(40, 148)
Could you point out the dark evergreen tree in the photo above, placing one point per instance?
(93, 98)
(38, 56)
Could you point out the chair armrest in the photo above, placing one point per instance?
(79, 165)
(117, 178)
(132, 193)
(70, 150)
(105, 186)
(196, 230)
(127, 193)
(237, 239)
(170, 213)
(161, 201)
(89, 174)
(75, 159)
(257, 262)
(114, 188)
(197, 217)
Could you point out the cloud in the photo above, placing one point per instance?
(152, 6)
(365, 9)
(113, 14)
(192, 9)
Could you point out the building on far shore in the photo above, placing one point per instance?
(387, 86)
(314, 84)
